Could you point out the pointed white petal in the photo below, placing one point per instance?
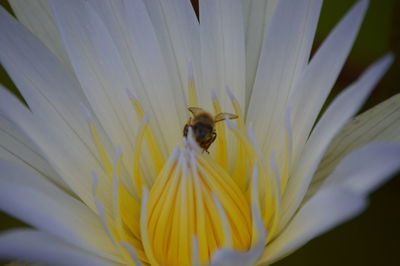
(43, 81)
(284, 55)
(367, 168)
(60, 146)
(258, 15)
(328, 208)
(98, 68)
(338, 113)
(103, 75)
(341, 197)
(56, 125)
(177, 29)
(37, 202)
(167, 102)
(34, 246)
(40, 204)
(38, 18)
(16, 147)
(379, 124)
(223, 48)
(321, 73)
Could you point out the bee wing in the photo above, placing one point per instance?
(195, 110)
(221, 116)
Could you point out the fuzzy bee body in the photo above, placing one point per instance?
(203, 126)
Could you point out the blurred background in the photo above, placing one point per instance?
(373, 238)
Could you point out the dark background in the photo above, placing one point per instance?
(373, 238)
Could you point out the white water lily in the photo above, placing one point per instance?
(98, 167)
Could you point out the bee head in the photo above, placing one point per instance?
(202, 131)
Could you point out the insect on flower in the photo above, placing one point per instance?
(203, 126)
(96, 164)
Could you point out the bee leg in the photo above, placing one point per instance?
(208, 144)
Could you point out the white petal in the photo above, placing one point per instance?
(340, 198)
(284, 55)
(43, 81)
(37, 202)
(328, 208)
(258, 15)
(37, 17)
(34, 246)
(338, 113)
(16, 147)
(177, 29)
(321, 73)
(167, 103)
(104, 77)
(59, 144)
(98, 67)
(135, 38)
(379, 124)
(223, 48)
(367, 168)
(56, 125)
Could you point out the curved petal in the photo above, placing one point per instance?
(91, 46)
(321, 73)
(34, 246)
(342, 197)
(98, 68)
(43, 81)
(16, 147)
(379, 124)
(336, 116)
(150, 47)
(177, 29)
(257, 18)
(37, 202)
(59, 145)
(222, 40)
(37, 17)
(328, 208)
(56, 124)
(285, 53)
(361, 178)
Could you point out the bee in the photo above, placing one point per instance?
(203, 126)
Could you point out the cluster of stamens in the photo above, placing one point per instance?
(199, 206)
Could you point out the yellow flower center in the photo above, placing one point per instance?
(194, 197)
(196, 205)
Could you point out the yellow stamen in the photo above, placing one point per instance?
(143, 229)
(222, 150)
(153, 146)
(105, 160)
(236, 108)
(256, 204)
(194, 198)
(268, 188)
(193, 207)
(239, 172)
(137, 175)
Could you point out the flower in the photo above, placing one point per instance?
(97, 163)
